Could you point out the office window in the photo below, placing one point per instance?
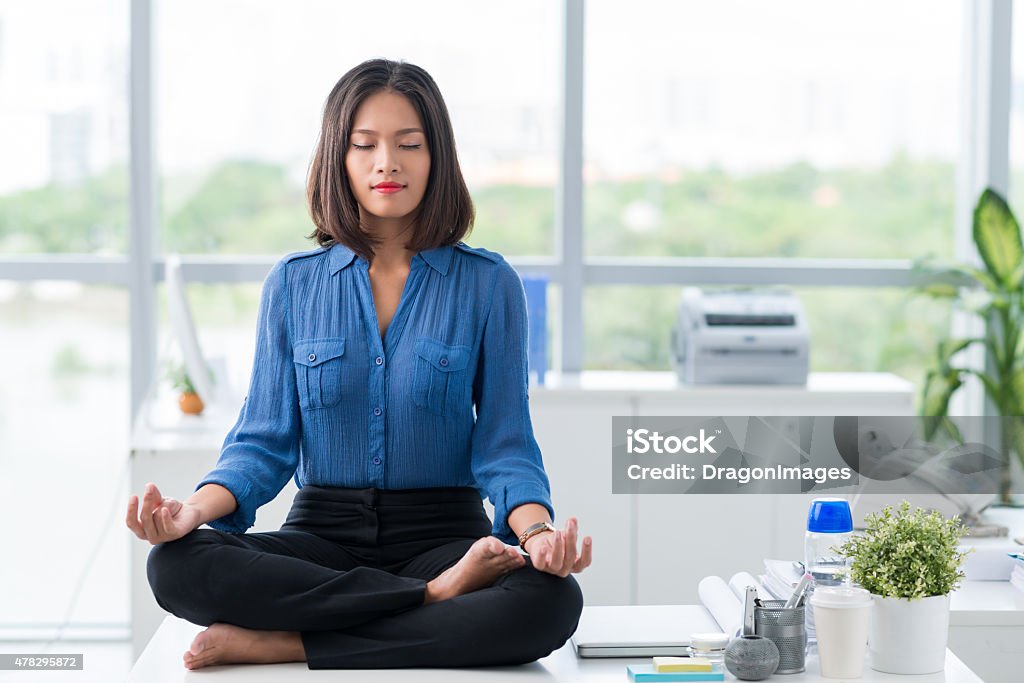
(1016, 195)
(794, 128)
(239, 118)
(852, 329)
(64, 453)
(64, 107)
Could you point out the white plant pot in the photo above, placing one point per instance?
(909, 636)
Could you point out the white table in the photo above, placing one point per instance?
(161, 663)
(986, 618)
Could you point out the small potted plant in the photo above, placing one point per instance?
(909, 561)
(189, 400)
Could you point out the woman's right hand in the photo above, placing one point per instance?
(160, 519)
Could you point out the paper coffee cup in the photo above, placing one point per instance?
(841, 615)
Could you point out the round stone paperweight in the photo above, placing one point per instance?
(751, 658)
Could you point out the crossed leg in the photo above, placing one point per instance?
(250, 587)
(222, 643)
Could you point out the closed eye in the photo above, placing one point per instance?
(400, 146)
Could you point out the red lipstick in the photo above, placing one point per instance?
(388, 188)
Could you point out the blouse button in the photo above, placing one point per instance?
(376, 411)
(379, 361)
(444, 362)
(312, 357)
(376, 461)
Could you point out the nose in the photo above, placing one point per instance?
(386, 161)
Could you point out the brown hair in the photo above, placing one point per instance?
(446, 212)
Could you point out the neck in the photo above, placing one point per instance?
(389, 258)
(392, 233)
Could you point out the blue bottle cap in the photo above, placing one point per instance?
(829, 516)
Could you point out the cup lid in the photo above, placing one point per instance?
(840, 596)
(709, 641)
(829, 516)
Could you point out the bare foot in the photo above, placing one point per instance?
(228, 644)
(483, 563)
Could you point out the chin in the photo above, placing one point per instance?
(391, 214)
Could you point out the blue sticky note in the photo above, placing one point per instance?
(646, 672)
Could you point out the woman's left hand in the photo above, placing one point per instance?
(555, 551)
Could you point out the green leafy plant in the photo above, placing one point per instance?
(996, 294)
(179, 378)
(906, 554)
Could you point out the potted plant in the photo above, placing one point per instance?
(909, 561)
(189, 401)
(996, 293)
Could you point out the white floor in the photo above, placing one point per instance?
(101, 662)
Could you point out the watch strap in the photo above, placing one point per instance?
(533, 530)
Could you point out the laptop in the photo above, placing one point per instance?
(640, 630)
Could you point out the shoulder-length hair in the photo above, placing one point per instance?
(445, 215)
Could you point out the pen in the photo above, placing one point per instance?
(798, 592)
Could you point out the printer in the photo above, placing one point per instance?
(740, 336)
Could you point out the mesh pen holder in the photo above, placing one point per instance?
(787, 629)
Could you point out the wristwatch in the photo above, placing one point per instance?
(533, 530)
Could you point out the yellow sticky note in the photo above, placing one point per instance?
(667, 664)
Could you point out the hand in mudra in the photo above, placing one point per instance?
(555, 552)
(160, 519)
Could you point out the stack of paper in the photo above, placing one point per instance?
(988, 559)
(1017, 575)
(677, 669)
(780, 579)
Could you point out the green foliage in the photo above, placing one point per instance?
(904, 208)
(901, 210)
(238, 207)
(69, 362)
(907, 554)
(997, 237)
(996, 295)
(88, 217)
(514, 220)
(179, 379)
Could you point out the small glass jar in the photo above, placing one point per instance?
(710, 646)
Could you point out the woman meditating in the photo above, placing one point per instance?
(390, 379)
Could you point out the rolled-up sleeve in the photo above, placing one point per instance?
(506, 460)
(261, 452)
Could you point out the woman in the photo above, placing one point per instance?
(390, 380)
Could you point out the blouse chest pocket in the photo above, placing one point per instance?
(439, 380)
(319, 368)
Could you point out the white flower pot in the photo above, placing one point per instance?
(909, 636)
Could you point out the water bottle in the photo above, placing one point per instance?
(829, 525)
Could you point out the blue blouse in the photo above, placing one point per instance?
(442, 401)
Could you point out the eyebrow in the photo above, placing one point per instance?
(400, 132)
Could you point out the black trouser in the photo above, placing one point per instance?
(348, 570)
